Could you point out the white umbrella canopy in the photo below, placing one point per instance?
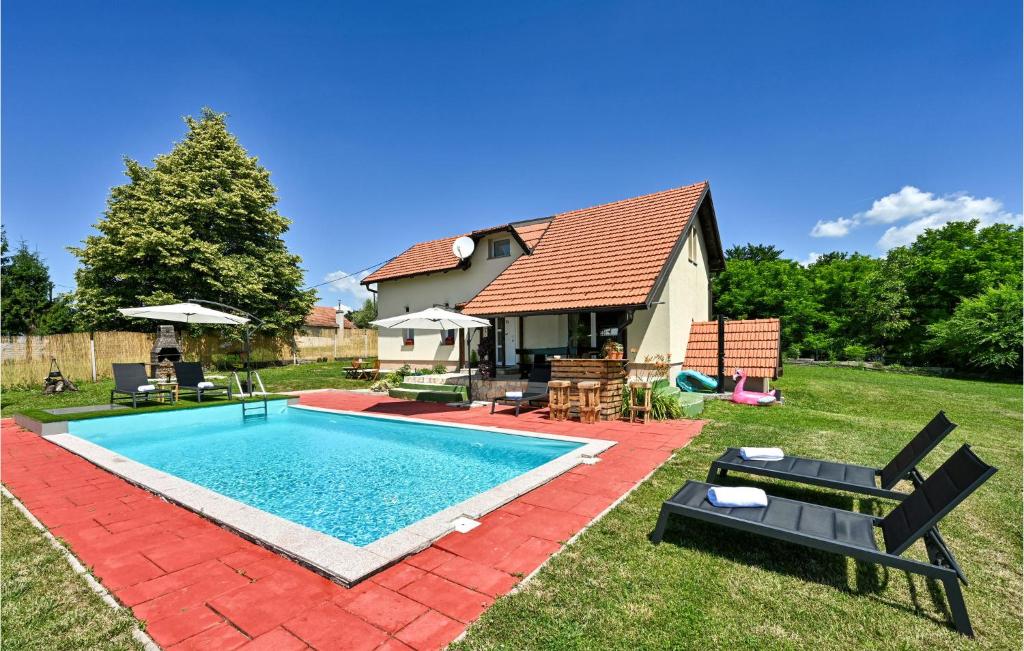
(433, 318)
(183, 312)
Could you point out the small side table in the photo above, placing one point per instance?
(590, 401)
(558, 399)
(639, 400)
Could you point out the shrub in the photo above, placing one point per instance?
(383, 386)
(855, 352)
(440, 369)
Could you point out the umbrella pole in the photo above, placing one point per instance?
(469, 365)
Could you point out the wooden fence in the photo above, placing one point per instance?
(26, 359)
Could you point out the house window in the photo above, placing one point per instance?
(691, 247)
(449, 337)
(501, 248)
(408, 336)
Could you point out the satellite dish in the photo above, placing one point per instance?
(463, 247)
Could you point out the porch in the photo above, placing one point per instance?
(515, 344)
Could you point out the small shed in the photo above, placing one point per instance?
(754, 345)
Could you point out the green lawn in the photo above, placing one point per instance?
(280, 378)
(706, 587)
(46, 605)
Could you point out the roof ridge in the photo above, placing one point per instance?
(627, 199)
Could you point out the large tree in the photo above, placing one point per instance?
(200, 223)
(26, 291)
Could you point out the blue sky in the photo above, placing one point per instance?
(388, 123)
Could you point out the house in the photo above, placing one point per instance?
(637, 271)
(323, 321)
(753, 345)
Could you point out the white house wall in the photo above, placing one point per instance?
(684, 298)
(424, 291)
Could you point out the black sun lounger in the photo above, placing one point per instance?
(845, 476)
(128, 378)
(190, 376)
(536, 391)
(852, 534)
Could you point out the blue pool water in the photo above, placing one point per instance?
(356, 478)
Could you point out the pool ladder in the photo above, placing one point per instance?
(252, 408)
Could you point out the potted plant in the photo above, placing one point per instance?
(612, 349)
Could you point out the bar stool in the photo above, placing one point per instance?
(558, 399)
(639, 400)
(590, 401)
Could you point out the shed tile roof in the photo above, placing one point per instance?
(324, 317)
(752, 345)
(607, 255)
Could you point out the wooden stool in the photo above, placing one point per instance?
(642, 406)
(590, 401)
(558, 399)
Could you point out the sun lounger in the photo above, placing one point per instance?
(190, 377)
(130, 380)
(536, 391)
(852, 534)
(844, 476)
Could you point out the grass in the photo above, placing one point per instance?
(707, 587)
(46, 605)
(278, 378)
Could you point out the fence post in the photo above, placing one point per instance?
(92, 354)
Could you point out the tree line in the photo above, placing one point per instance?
(952, 298)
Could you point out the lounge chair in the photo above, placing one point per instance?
(131, 380)
(844, 476)
(536, 391)
(852, 534)
(190, 378)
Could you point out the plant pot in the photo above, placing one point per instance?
(407, 342)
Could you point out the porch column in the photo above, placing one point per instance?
(593, 329)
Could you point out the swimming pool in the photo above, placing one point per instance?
(381, 486)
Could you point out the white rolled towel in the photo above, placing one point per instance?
(513, 394)
(737, 496)
(762, 454)
(205, 385)
(146, 387)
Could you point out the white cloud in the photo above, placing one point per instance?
(811, 258)
(348, 285)
(835, 228)
(921, 211)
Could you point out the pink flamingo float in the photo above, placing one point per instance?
(743, 397)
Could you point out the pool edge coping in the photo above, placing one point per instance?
(336, 559)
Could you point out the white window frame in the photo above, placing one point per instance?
(491, 245)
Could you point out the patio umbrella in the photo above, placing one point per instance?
(184, 313)
(436, 318)
(192, 312)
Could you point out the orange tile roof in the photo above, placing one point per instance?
(425, 257)
(324, 317)
(752, 345)
(604, 256)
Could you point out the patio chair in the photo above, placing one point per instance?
(190, 377)
(371, 373)
(844, 476)
(536, 391)
(852, 534)
(130, 380)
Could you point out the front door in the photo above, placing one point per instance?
(499, 341)
(511, 335)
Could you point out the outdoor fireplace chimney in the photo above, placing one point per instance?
(166, 350)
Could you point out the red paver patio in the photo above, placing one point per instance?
(200, 586)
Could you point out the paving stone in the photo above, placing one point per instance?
(384, 608)
(171, 630)
(476, 576)
(398, 576)
(329, 627)
(221, 637)
(447, 597)
(430, 632)
(278, 639)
